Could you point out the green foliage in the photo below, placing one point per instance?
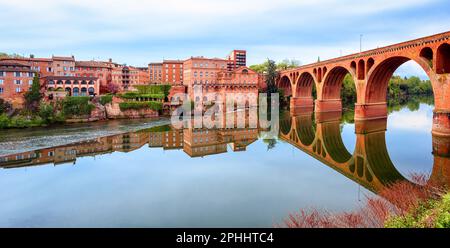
(154, 89)
(46, 112)
(140, 105)
(33, 97)
(348, 90)
(283, 65)
(157, 129)
(408, 86)
(136, 95)
(4, 121)
(288, 64)
(14, 55)
(271, 77)
(434, 212)
(77, 106)
(20, 121)
(105, 99)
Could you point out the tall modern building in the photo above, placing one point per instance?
(236, 59)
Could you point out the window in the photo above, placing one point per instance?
(30, 82)
(2, 74)
(1, 90)
(18, 90)
(1, 81)
(17, 74)
(18, 82)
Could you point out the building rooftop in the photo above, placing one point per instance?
(91, 63)
(63, 58)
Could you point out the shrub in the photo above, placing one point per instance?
(401, 204)
(135, 95)
(4, 121)
(46, 112)
(106, 99)
(34, 96)
(140, 105)
(4, 106)
(77, 106)
(154, 89)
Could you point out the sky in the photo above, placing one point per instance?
(138, 32)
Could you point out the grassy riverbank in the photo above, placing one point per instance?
(431, 213)
(421, 203)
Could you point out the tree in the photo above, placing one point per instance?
(271, 77)
(113, 88)
(34, 96)
(260, 68)
(287, 64)
(4, 106)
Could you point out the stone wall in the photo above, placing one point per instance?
(113, 111)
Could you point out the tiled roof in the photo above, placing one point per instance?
(91, 64)
(63, 58)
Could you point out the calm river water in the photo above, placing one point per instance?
(143, 173)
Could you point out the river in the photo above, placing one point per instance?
(143, 173)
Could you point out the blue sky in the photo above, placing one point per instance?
(138, 32)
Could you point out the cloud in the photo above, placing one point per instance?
(149, 27)
(406, 120)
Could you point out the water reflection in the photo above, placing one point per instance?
(316, 134)
(226, 177)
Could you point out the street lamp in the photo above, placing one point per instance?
(360, 43)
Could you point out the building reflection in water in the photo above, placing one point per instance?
(318, 135)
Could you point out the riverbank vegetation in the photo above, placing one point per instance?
(140, 105)
(421, 202)
(38, 112)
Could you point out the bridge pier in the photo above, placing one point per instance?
(328, 105)
(441, 153)
(441, 123)
(371, 111)
(370, 126)
(299, 105)
(301, 102)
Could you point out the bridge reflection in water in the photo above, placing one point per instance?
(369, 164)
(314, 133)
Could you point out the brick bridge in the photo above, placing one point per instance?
(371, 71)
(369, 164)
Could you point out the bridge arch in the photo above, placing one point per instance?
(286, 85)
(443, 59)
(333, 143)
(305, 127)
(379, 76)
(333, 83)
(304, 85)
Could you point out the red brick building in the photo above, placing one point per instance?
(15, 79)
(214, 76)
(172, 72)
(155, 72)
(97, 69)
(126, 77)
(73, 85)
(236, 59)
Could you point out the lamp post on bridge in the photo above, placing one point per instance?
(360, 43)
